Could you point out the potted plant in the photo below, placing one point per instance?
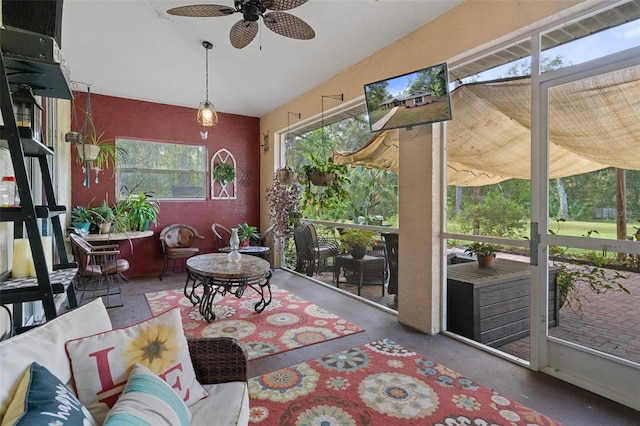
(142, 211)
(284, 204)
(245, 233)
(93, 147)
(357, 241)
(224, 172)
(103, 217)
(81, 218)
(484, 252)
(120, 221)
(328, 179)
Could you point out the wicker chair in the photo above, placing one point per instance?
(179, 241)
(391, 241)
(312, 251)
(218, 360)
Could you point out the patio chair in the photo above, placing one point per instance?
(312, 251)
(179, 241)
(391, 242)
(221, 236)
(99, 270)
(267, 239)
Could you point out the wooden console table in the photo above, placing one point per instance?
(491, 305)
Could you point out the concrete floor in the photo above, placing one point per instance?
(564, 402)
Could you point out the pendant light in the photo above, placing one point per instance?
(207, 115)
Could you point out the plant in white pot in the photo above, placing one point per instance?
(103, 217)
(93, 147)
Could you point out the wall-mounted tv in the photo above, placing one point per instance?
(408, 100)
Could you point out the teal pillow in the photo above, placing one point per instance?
(42, 399)
(147, 400)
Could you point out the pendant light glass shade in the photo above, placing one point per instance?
(207, 115)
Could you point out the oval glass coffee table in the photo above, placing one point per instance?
(211, 274)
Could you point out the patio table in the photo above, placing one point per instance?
(213, 274)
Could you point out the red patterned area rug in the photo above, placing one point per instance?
(380, 383)
(288, 322)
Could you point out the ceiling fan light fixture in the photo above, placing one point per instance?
(207, 115)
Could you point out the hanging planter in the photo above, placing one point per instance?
(287, 176)
(88, 152)
(320, 178)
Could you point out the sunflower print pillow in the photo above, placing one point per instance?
(101, 363)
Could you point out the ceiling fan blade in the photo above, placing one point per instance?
(202, 10)
(282, 4)
(242, 33)
(288, 25)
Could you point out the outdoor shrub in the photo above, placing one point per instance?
(494, 215)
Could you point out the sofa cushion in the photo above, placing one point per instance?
(101, 363)
(42, 399)
(227, 403)
(147, 399)
(45, 345)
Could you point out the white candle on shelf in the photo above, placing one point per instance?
(22, 259)
(47, 245)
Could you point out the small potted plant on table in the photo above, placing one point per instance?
(103, 217)
(81, 218)
(357, 242)
(245, 233)
(484, 252)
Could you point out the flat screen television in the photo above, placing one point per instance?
(410, 99)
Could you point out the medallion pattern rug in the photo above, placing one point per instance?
(380, 383)
(288, 322)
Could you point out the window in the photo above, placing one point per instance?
(165, 170)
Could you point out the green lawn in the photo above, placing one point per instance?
(576, 229)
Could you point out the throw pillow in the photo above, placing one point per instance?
(42, 399)
(100, 364)
(147, 399)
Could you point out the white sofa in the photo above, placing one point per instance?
(220, 363)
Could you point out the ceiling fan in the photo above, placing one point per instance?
(245, 30)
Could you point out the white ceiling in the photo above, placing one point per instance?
(134, 49)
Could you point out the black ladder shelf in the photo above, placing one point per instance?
(18, 69)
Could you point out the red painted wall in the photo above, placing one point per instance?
(119, 117)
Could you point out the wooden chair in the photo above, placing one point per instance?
(221, 236)
(99, 270)
(179, 242)
(312, 251)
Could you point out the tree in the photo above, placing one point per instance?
(376, 94)
(432, 81)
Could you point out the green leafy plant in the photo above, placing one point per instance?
(332, 193)
(589, 272)
(121, 217)
(481, 250)
(109, 153)
(224, 172)
(81, 214)
(247, 232)
(142, 211)
(102, 214)
(352, 238)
